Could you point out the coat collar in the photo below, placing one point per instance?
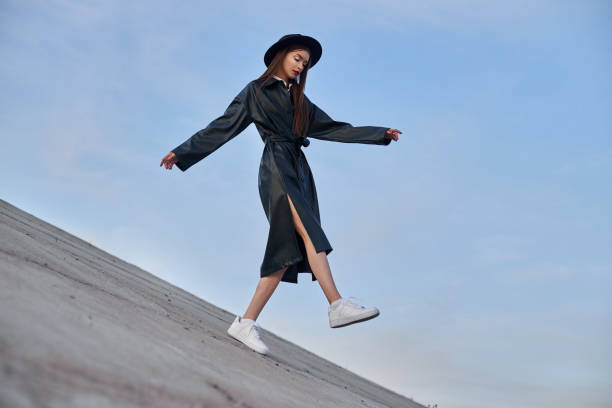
(273, 80)
(283, 81)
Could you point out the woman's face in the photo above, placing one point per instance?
(295, 62)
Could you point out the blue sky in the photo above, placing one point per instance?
(483, 235)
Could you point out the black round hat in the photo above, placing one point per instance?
(313, 45)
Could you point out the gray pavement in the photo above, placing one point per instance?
(81, 328)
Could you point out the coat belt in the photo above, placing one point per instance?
(300, 141)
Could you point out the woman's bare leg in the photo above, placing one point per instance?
(318, 261)
(264, 290)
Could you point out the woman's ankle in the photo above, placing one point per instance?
(334, 299)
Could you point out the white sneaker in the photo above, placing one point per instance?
(343, 312)
(247, 331)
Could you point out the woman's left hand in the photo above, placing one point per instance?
(392, 134)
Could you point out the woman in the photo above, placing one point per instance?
(285, 118)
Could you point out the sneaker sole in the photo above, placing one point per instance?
(343, 322)
(250, 348)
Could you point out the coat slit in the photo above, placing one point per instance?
(297, 215)
(318, 239)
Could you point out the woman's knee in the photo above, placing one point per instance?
(277, 275)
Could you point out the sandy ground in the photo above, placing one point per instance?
(82, 328)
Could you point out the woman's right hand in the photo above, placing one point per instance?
(392, 134)
(169, 160)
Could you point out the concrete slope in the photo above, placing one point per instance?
(82, 328)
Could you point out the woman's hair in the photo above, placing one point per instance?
(300, 113)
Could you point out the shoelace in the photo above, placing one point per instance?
(255, 329)
(357, 299)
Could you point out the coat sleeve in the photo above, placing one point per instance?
(218, 132)
(322, 127)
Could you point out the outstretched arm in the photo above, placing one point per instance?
(218, 132)
(325, 128)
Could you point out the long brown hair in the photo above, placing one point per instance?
(300, 112)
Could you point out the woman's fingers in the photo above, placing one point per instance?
(393, 133)
(168, 160)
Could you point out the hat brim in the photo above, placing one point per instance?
(313, 45)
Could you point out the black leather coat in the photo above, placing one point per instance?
(283, 168)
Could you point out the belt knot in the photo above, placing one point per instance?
(303, 141)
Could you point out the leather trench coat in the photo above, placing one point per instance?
(283, 169)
